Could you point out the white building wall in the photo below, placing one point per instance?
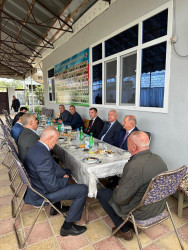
(169, 130)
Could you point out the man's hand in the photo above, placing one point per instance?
(60, 120)
(65, 176)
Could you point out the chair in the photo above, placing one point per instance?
(26, 181)
(160, 187)
(1, 122)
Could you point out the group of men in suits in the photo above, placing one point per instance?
(48, 178)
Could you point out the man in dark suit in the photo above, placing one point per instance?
(15, 103)
(111, 129)
(95, 124)
(76, 120)
(137, 174)
(28, 136)
(65, 115)
(51, 180)
(129, 126)
(17, 128)
(22, 110)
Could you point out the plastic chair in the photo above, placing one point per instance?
(26, 181)
(160, 187)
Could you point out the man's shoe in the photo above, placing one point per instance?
(73, 230)
(63, 209)
(125, 235)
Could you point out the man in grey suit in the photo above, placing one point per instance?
(111, 129)
(137, 174)
(28, 136)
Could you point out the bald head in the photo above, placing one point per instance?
(138, 141)
(49, 136)
(129, 122)
(29, 121)
(112, 116)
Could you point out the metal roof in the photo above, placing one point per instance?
(29, 27)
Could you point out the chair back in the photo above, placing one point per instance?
(12, 147)
(5, 131)
(22, 172)
(163, 185)
(1, 122)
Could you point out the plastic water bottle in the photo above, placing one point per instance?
(50, 121)
(87, 142)
(81, 134)
(62, 127)
(91, 141)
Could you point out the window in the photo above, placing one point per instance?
(130, 69)
(51, 85)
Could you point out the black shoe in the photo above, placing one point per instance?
(64, 209)
(73, 230)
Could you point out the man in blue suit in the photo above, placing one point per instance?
(111, 129)
(129, 125)
(18, 127)
(48, 178)
(75, 120)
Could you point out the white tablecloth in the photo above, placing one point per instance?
(89, 174)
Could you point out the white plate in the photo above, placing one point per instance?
(91, 160)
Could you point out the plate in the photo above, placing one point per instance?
(91, 160)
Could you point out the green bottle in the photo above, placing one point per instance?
(91, 141)
(81, 134)
(59, 127)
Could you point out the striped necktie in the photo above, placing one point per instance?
(125, 137)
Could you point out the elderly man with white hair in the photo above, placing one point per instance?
(137, 174)
(48, 178)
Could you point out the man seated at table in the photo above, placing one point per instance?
(65, 115)
(95, 124)
(137, 174)
(111, 129)
(76, 120)
(17, 128)
(22, 110)
(51, 180)
(28, 136)
(129, 126)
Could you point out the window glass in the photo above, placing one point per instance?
(128, 79)
(50, 73)
(153, 76)
(110, 81)
(155, 26)
(97, 52)
(124, 40)
(97, 84)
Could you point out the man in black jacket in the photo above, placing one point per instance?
(95, 124)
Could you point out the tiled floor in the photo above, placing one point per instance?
(98, 235)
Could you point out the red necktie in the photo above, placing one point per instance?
(125, 137)
(90, 126)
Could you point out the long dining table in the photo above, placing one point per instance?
(86, 172)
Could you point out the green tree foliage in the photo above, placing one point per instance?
(39, 92)
(17, 84)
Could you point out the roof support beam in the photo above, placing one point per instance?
(25, 26)
(59, 18)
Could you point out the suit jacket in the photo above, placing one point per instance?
(16, 130)
(45, 174)
(96, 127)
(137, 174)
(112, 136)
(26, 140)
(75, 122)
(121, 137)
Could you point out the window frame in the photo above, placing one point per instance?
(138, 50)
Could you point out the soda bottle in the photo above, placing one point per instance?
(91, 141)
(81, 134)
(59, 127)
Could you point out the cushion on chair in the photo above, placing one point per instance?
(149, 222)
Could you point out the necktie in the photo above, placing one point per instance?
(91, 123)
(125, 137)
(106, 131)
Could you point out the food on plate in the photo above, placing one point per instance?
(109, 152)
(82, 146)
(68, 135)
(100, 151)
